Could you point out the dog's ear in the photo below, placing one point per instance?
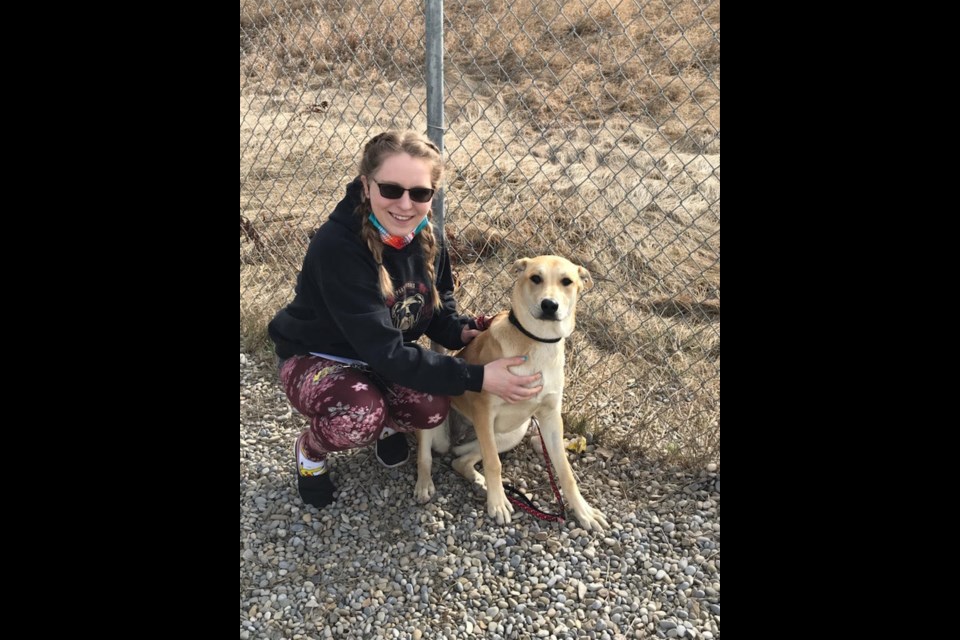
(520, 265)
(585, 278)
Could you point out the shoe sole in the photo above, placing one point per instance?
(394, 465)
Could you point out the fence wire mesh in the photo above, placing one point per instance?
(588, 129)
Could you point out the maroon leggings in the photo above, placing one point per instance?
(348, 407)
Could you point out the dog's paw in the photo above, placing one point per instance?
(591, 519)
(424, 490)
(499, 508)
(479, 484)
(464, 468)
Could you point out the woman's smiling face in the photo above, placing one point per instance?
(402, 215)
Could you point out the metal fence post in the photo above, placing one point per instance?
(434, 64)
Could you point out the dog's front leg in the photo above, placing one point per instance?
(551, 426)
(424, 489)
(497, 504)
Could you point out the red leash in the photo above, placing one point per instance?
(524, 502)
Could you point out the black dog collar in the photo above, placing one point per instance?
(516, 323)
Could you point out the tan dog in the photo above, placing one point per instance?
(544, 302)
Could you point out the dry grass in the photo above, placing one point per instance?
(589, 130)
(546, 62)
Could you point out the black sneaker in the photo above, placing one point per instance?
(392, 449)
(316, 489)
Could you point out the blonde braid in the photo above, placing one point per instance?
(372, 237)
(428, 242)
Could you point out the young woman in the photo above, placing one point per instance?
(375, 278)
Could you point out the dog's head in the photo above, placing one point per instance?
(545, 294)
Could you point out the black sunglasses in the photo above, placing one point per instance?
(395, 192)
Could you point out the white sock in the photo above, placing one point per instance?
(309, 467)
(387, 432)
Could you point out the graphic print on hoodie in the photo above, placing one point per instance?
(409, 308)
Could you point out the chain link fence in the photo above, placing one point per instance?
(588, 129)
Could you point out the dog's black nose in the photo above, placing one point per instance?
(549, 306)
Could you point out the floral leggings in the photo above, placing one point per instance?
(349, 406)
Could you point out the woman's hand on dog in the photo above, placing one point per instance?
(468, 334)
(500, 382)
(481, 322)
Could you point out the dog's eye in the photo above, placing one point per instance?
(567, 282)
(536, 279)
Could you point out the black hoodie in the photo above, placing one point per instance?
(339, 310)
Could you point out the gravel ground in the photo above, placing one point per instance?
(376, 564)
